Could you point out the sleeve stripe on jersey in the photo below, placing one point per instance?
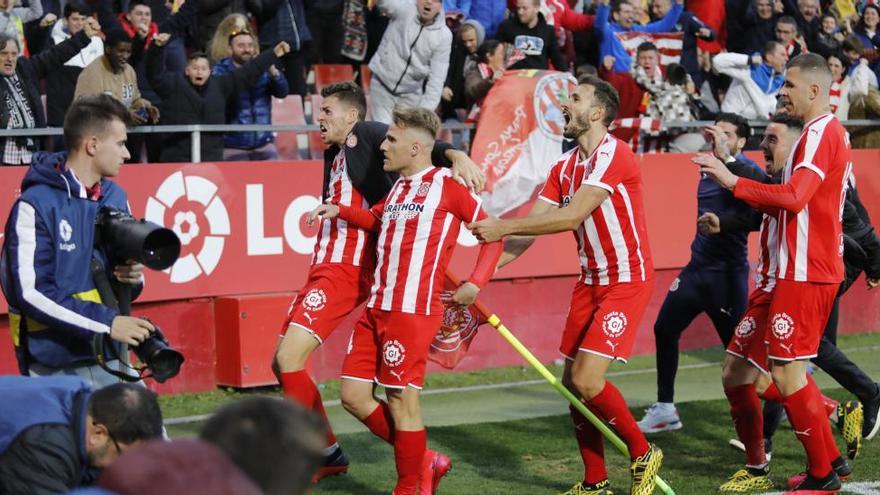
(599, 184)
(810, 166)
(477, 206)
(548, 200)
(26, 230)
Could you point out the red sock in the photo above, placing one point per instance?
(409, 449)
(381, 423)
(772, 393)
(745, 408)
(591, 445)
(831, 449)
(298, 385)
(611, 407)
(807, 418)
(318, 407)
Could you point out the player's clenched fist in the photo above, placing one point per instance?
(488, 229)
(708, 223)
(327, 211)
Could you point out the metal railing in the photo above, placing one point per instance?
(196, 130)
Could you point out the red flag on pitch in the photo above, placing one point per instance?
(457, 332)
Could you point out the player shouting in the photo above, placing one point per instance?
(341, 271)
(807, 208)
(595, 190)
(418, 224)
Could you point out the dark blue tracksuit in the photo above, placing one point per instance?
(715, 282)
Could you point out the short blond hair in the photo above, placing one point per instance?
(416, 118)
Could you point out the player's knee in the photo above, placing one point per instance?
(587, 385)
(293, 352)
(358, 401)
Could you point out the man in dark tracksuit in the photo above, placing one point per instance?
(861, 253)
(715, 282)
(56, 433)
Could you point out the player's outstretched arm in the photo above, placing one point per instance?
(515, 246)
(358, 217)
(585, 200)
(792, 196)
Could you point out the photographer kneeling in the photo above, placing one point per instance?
(56, 433)
(46, 265)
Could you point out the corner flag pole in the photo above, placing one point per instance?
(511, 339)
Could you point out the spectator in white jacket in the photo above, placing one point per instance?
(848, 88)
(756, 80)
(410, 65)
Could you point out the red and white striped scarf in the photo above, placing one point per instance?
(834, 95)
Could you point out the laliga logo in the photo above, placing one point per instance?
(202, 192)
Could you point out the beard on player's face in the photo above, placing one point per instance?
(575, 125)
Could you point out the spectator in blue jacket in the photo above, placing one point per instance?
(489, 13)
(693, 28)
(57, 433)
(55, 309)
(619, 17)
(251, 106)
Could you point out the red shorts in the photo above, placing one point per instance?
(604, 319)
(749, 339)
(331, 293)
(390, 348)
(798, 315)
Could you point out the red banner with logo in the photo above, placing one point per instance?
(519, 136)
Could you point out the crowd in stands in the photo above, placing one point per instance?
(230, 62)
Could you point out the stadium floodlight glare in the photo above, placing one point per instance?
(511, 339)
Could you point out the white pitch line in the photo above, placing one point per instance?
(856, 488)
(524, 383)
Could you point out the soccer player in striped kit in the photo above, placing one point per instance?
(418, 224)
(595, 190)
(807, 266)
(342, 264)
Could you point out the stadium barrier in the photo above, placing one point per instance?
(246, 249)
(196, 130)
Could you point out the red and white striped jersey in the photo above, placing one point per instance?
(337, 241)
(613, 240)
(421, 218)
(768, 256)
(811, 241)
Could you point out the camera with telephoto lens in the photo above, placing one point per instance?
(123, 237)
(126, 238)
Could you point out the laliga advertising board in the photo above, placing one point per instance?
(241, 225)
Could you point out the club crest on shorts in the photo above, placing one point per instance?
(782, 325)
(423, 189)
(675, 284)
(614, 323)
(746, 327)
(315, 300)
(393, 353)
